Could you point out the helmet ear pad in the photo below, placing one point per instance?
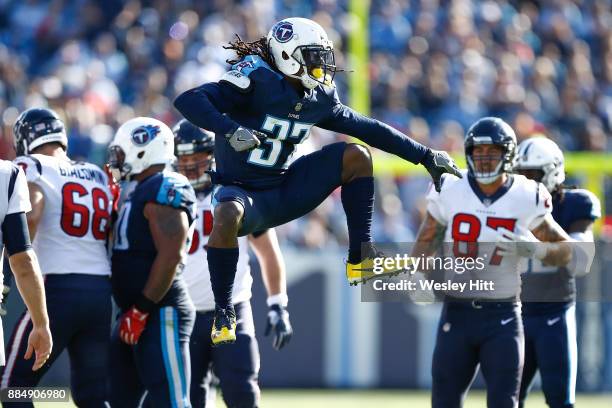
(285, 56)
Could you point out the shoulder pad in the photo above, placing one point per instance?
(237, 80)
(584, 204)
(250, 63)
(175, 191)
(543, 198)
(31, 167)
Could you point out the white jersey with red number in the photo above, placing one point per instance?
(472, 221)
(196, 272)
(71, 235)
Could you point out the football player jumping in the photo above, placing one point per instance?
(150, 341)
(278, 88)
(194, 149)
(549, 292)
(513, 214)
(69, 223)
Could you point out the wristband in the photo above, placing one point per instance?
(280, 299)
(144, 304)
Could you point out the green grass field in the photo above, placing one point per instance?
(380, 398)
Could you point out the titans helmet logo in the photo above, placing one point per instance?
(142, 135)
(283, 31)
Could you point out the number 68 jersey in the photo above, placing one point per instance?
(473, 219)
(71, 235)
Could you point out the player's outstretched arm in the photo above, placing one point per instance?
(169, 228)
(273, 273)
(382, 136)
(205, 106)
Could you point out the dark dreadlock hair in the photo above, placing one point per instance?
(242, 48)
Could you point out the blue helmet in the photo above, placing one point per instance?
(36, 127)
(190, 140)
(493, 131)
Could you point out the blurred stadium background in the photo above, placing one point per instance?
(427, 67)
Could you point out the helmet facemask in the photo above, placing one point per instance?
(116, 161)
(482, 169)
(318, 64)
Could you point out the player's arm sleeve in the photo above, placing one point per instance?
(205, 106)
(177, 193)
(435, 204)
(31, 166)
(15, 233)
(543, 207)
(15, 226)
(19, 198)
(373, 132)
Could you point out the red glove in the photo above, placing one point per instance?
(114, 187)
(132, 325)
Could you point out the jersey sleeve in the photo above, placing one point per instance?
(343, 119)
(585, 205)
(435, 205)
(19, 197)
(175, 191)
(543, 206)
(31, 167)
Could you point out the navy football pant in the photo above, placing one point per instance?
(309, 181)
(490, 336)
(157, 366)
(236, 365)
(550, 346)
(79, 308)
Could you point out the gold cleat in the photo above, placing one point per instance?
(224, 327)
(364, 271)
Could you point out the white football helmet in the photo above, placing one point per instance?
(139, 144)
(541, 153)
(301, 50)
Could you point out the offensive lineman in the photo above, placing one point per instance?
(194, 149)
(150, 341)
(484, 327)
(277, 89)
(69, 224)
(549, 292)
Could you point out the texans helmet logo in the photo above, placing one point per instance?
(283, 31)
(142, 135)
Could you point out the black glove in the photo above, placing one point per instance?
(438, 162)
(278, 321)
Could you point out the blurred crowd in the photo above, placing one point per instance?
(435, 66)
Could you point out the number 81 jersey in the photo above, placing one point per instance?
(473, 219)
(71, 235)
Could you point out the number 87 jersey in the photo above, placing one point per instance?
(71, 235)
(473, 219)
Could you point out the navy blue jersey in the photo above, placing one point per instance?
(133, 248)
(555, 288)
(255, 96)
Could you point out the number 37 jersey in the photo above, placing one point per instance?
(473, 222)
(71, 235)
